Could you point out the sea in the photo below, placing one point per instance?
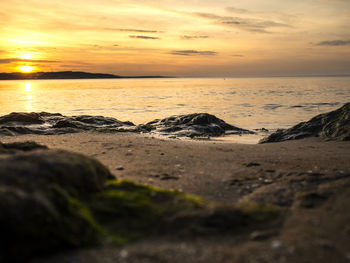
(250, 103)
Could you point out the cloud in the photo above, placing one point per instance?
(334, 43)
(237, 10)
(144, 37)
(237, 55)
(247, 24)
(135, 30)
(193, 53)
(13, 60)
(186, 37)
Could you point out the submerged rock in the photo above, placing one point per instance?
(334, 125)
(194, 125)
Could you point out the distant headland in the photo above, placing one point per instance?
(66, 75)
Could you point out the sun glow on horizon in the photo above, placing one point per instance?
(26, 69)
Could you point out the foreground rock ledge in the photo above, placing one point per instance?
(334, 125)
(53, 200)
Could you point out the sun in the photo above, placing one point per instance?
(26, 69)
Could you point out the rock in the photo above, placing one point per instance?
(253, 164)
(52, 200)
(34, 224)
(261, 235)
(40, 210)
(87, 122)
(191, 125)
(194, 125)
(334, 125)
(23, 146)
(44, 123)
(22, 118)
(43, 169)
(312, 199)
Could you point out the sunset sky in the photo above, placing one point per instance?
(177, 37)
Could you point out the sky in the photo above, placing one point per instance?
(221, 38)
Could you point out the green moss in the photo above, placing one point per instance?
(258, 213)
(130, 210)
(76, 218)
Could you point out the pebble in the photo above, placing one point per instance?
(252, 164)
(124, 253)
(268, 181)
(259, 235)
(276, 244)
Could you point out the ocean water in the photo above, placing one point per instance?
(250, 103)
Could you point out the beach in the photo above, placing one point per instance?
(205, 168)
(308, 179)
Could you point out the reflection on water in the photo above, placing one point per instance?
(29, 98)
(249, 103)
(28, 87)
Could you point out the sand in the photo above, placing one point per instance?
(204, 168)
(276, 173)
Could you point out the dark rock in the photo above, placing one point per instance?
(40, 210)
(44, 123)
(261, 235)
(194, 125)
(67, 123)
(33, 224)
(191, 125)
(75, 173)
(252, 164)
(312, 199)
(22, 118)
(86, 122)
(334, 125)
(23, 146)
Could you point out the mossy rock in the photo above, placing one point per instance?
(41, 201)
(34, 224)
(38, 170)
(54, 200)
